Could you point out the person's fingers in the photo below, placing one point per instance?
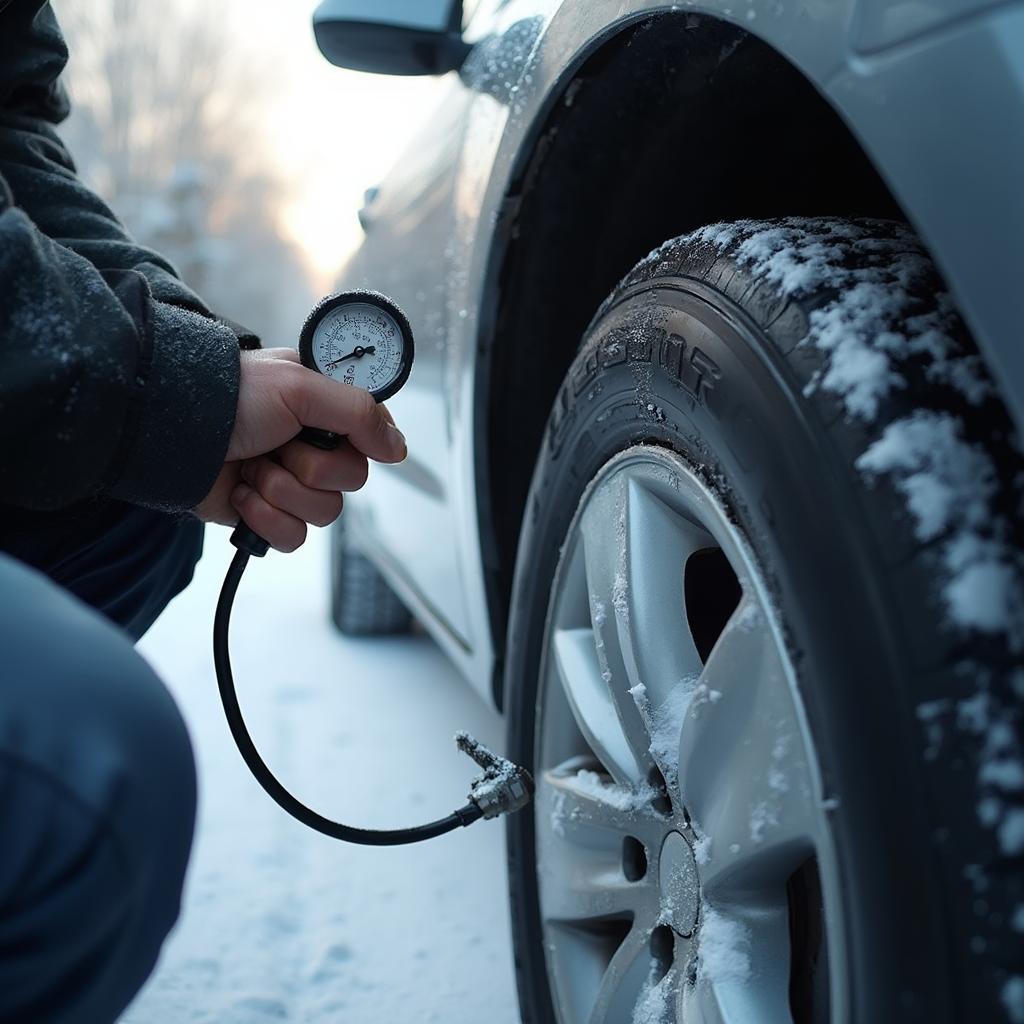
(318, 401)
(343, 469)
(282, 531)
(216, 507)
(279, 488)
(277, 396)
(264, 418)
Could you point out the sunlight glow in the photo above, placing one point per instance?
(332, 133)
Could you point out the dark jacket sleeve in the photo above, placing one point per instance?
(114, 378)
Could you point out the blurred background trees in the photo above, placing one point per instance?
(167, 126)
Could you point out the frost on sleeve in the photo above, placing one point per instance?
(88, 375)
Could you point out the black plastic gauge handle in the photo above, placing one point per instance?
(324, 439)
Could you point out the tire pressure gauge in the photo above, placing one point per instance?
(357, 338)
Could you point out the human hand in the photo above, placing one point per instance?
(277, 484)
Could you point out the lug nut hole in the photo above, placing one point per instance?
(662, 802)
(663, 948)
(634, 859)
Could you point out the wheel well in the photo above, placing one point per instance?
(675, 123)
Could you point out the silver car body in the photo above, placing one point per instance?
(932, 90)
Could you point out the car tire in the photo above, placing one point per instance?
(362, 602)
(817, 393)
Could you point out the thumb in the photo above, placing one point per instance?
(343, 409)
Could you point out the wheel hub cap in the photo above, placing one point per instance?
(680, 891)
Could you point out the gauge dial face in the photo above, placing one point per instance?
(361, 344)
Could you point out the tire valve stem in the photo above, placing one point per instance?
(503, 788)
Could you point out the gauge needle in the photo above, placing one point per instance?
(357, 353)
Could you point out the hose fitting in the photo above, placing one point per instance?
(503, 788)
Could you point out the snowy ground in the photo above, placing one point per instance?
(281, 924)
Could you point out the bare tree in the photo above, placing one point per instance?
(166, 126)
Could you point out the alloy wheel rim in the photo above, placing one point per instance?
(679, 793)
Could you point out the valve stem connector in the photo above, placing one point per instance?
(503, 788)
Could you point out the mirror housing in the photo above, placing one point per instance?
(392, 37)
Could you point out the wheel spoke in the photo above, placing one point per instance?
(635, 550)
(590, 810)
(658, 1002)
(586, 889)
(602, 526)
(624, 980)
(657, 648)
(580, 849)
(742, 767)
(590, 697)
(742, 966)
(584, 894)
(700, 1006)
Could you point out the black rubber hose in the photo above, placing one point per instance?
(265, 777)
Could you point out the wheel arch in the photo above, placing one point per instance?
(671, 123)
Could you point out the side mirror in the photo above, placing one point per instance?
(392, 37)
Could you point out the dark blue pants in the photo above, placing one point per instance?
(97, 778)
